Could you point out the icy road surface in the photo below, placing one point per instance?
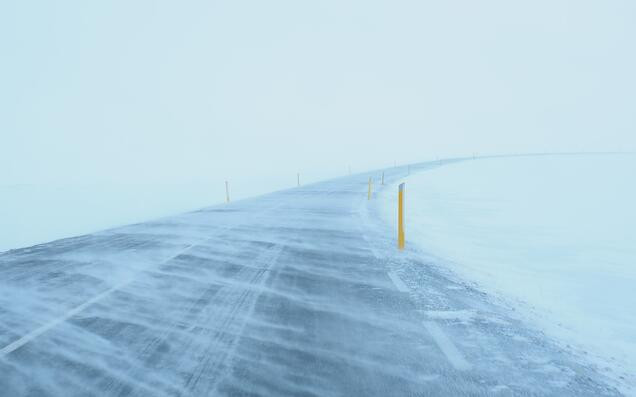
(300, 292)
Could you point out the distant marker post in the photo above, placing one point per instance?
(401, 217)
(227, 192)
(369, 192)
(298, 178)
(383, 178)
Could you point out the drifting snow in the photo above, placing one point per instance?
(554, 235)
(296, 292)
(35, 214)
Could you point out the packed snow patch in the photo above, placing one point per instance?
(554, 235)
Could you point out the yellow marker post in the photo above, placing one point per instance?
(401, 217)
(369, 194)
(227, 192)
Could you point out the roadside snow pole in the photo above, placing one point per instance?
(298, 177)
(227, 192)
(369, 193)
(401, 217)
(382, 177)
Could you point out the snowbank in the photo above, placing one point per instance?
(554, 235)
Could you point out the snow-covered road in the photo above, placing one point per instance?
(299, 292)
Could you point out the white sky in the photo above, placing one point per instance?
(174, 91)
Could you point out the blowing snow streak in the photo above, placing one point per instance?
(299, 292)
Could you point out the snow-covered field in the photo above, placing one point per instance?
(554, 235)
(33, 214)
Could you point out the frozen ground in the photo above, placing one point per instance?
(553, 236)
(300, 292)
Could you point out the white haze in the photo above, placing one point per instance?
(177, 97)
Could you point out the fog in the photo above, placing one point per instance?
(194, 93)
(207, 90)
